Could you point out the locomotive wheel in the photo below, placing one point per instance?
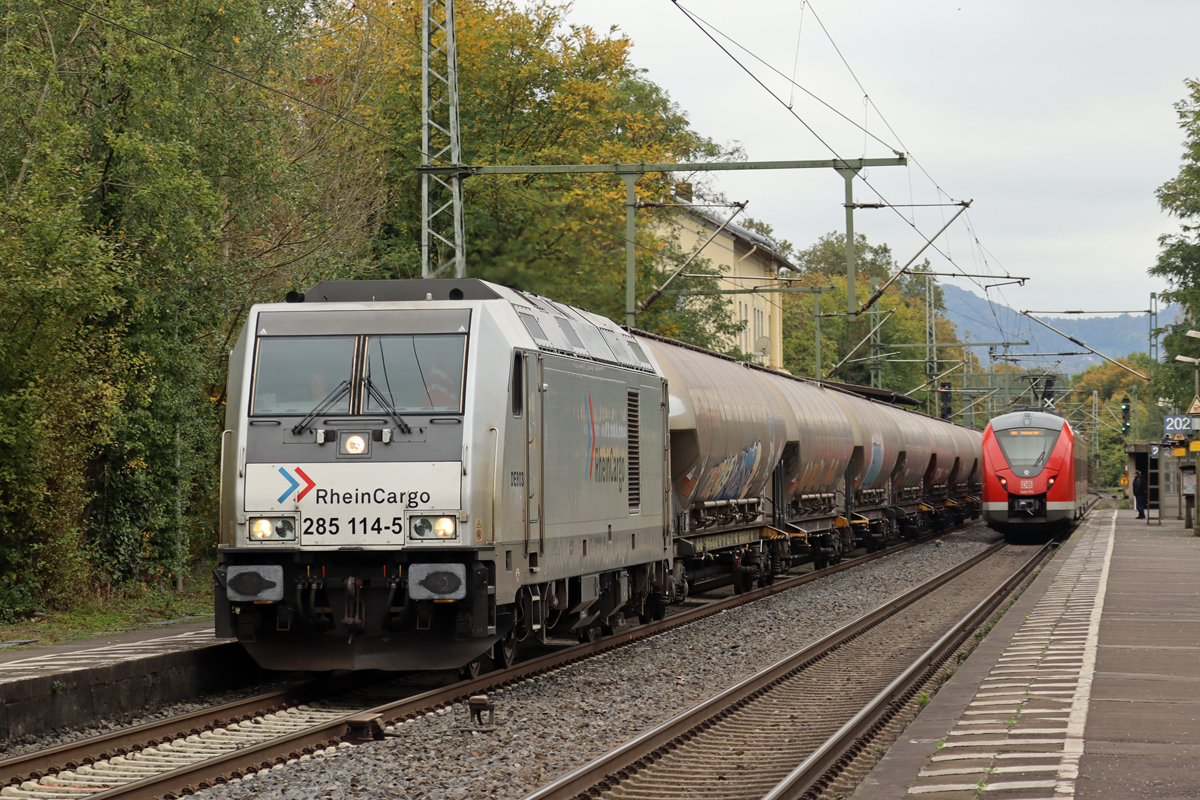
(506, 651)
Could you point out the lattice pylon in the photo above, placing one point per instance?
(442, 238)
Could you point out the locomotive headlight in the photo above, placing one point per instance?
(1003, 482)
(433, 528)
(355, 444)
(262, 528)
(1050, 482)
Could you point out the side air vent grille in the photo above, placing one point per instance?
(633, 420)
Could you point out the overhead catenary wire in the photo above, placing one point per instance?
(705, 26)
(909, 220)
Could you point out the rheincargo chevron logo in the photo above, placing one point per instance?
(294, 484)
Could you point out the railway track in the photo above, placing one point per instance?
(177, 756)
(787, 731)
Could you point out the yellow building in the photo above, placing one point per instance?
(746, 260)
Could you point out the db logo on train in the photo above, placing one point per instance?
(1026, 484)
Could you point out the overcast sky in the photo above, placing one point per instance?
(1055, 118)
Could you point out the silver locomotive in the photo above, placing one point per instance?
(422, 474)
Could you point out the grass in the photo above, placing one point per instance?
(115, 611)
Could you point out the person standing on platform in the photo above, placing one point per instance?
(1139, 493)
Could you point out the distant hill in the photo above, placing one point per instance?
(1119, 336)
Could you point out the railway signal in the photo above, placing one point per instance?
(944, 394)
(1125, 413)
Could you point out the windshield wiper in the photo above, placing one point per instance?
(339, 391)
(1039, 458)
(386, 404)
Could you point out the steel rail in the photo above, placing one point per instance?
(365, 724)
(32, 766)
(818, 770)
(646, 745)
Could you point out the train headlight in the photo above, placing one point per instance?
(354, 445)
(432, 528)
(263, 528)
(1003, 482)
(1050, 482)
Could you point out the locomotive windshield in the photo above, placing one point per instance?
(293, 374)
(1026, 447)
(418, 373)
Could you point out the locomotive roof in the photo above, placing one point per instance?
(555, 327)
(382, 291)
(1028, 419)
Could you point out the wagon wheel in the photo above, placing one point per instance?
(506, 651)
(471, 671)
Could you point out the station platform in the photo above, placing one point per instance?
(1088, 687)
(43, 688)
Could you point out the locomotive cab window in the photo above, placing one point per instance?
(295, 374)
(1026, 447)
(416, 374)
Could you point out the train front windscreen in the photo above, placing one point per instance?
(1026, 447)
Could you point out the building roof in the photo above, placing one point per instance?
(747, 236)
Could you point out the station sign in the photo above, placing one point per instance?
(1177, 424)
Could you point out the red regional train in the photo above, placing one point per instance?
(1035, 474)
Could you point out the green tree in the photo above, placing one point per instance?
(824, 264)
(1112, 383)
(148, 199)
(1179, 259)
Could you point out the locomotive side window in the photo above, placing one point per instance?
(293, 374)
(1026, 447)
(518, 385)
(416, 374)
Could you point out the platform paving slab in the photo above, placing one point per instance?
(1127, 722)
